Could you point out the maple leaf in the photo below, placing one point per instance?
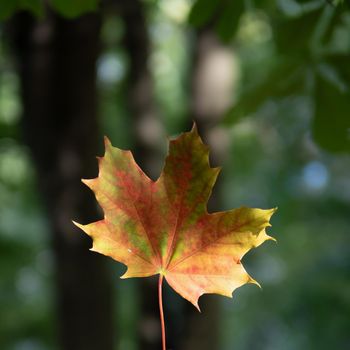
(163, 227)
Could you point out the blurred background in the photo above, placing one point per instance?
(267, 82)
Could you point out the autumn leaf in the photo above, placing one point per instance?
(163, 227)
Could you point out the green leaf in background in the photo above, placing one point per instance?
(202, 12)
(74, 8)
(335, 23)
(273, 86)
(288, 32)
(228, 22)
(331, 123)
(9, 7)
(224, 15)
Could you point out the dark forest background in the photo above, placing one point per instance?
(268, 84)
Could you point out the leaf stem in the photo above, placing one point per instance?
(160, 299)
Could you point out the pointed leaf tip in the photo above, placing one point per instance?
(256, 283)
(107, 142)
(89, 182)
(194, 128)
(77, 224)
(270, 238)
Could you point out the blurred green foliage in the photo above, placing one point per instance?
(222, 15)
(310, 40)
(74, 8)
(289, 131)
(68, 8)
(26, 318)
(9, 7)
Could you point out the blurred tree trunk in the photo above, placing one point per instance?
(212, 79)
(56, 64)
(147, 128)
(211, 95)
(148, 139)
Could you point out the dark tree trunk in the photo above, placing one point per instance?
(211, 93)
(147, 128)
(56, 64)
(148, 139)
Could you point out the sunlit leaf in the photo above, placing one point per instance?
(163, 227)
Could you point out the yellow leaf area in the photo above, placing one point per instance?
(163, 227)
